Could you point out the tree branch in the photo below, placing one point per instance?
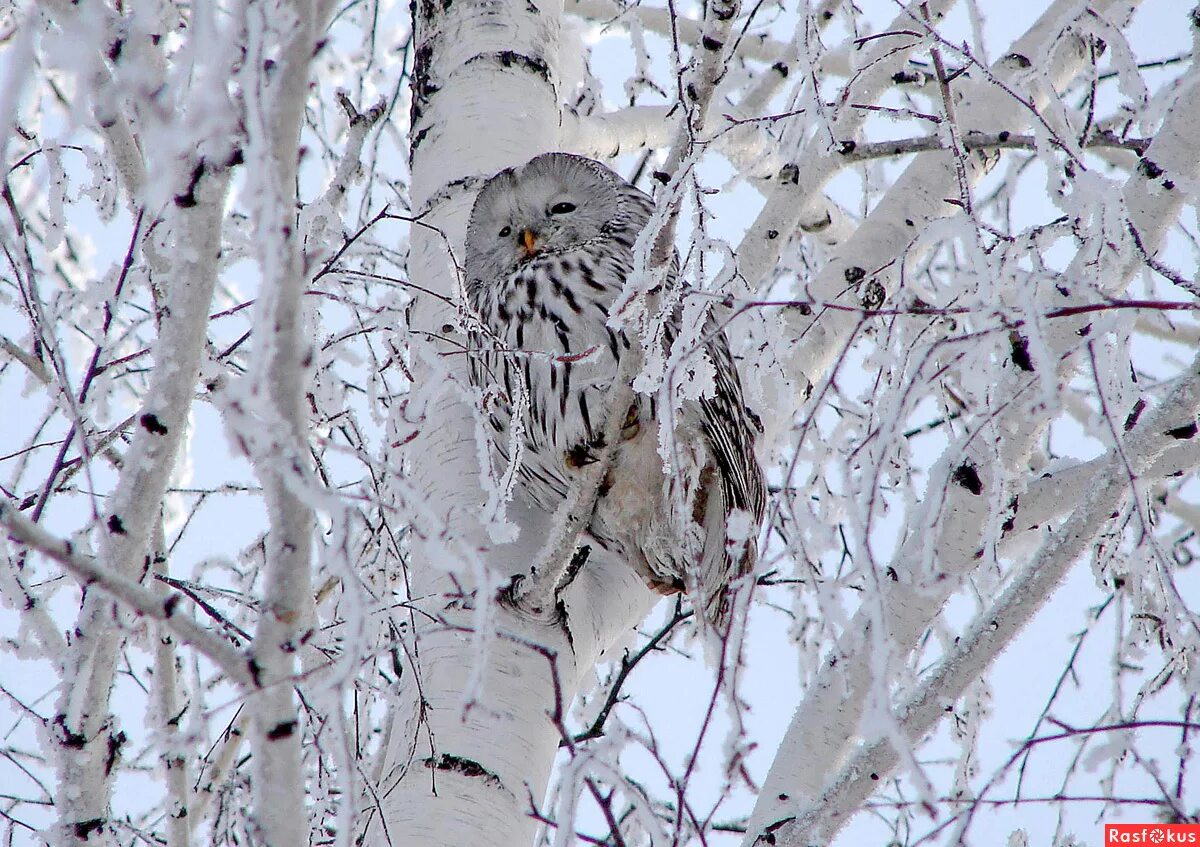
(825, 724)
(142, 600)
(991, 632)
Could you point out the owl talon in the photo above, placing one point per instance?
(667, 589)
(578, 456)
(632, 426)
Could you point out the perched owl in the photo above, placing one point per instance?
(549, 248)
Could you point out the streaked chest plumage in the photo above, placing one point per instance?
(548, 319)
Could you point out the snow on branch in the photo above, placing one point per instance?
(943, 537)
(232, 662)
(1030, 588)
(869, 258)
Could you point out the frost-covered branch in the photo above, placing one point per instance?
(992, 630)
(825, 724)
(664, 22)
(609, 134)
(854, 152)
(133, 510)
(164, 606)
(281, 374)
(108, 111)
(915, 200)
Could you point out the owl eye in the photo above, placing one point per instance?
(506, 232)
(563, 208)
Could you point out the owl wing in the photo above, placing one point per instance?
(737, 483)
(732, 479)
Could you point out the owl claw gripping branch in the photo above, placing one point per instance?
(549, 249)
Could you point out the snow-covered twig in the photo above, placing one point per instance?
(662, 22)
(113, 122)
(917, 198)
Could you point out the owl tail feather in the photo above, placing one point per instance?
(720, 572)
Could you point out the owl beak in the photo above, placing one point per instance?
(529, 242)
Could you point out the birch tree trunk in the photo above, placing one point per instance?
(476, 733)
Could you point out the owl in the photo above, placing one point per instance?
(549, 248)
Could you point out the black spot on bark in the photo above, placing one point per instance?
(723, 11)
(711, 43)
(115, 742)
(1019, 60)
(1183, 433)
(152, 424)
(772, 234)
(855, 275)
(780, 68)
(115, 526)
(68, 738)
(533, 64)
(847, 147)
(968, 477)
(1020, 351)
(281, 730)
(84, 829)
(169, 604)
(466, 767)
(1003, 135)
(187, 199)
(1149, 169)
(873, 295)
(1134, 414)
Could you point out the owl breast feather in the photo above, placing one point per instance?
(549, 317)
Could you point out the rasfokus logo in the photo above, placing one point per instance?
(1152, 833)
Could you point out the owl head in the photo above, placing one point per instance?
(552, 203)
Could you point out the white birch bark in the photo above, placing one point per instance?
(84, 786)
(919, 711)
(283, 357)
